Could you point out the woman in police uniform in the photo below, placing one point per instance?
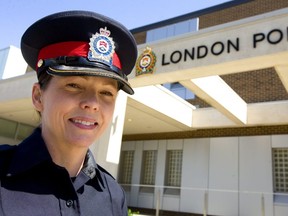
(82, 59)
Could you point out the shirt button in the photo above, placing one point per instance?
(69, 203)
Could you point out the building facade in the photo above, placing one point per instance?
(214, 170)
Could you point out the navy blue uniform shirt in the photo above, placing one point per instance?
(32, 185)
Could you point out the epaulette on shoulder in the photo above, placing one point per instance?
(6, 154)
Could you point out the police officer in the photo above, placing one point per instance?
(82, 60)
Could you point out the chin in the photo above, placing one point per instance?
(82, 141)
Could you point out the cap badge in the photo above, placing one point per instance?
(146, 62)
(101, 47)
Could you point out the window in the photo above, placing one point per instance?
(280, 164)
(179, 90)
(280, 172)
(126, 168)
(148, 170)
(173, 171)
(172, 30)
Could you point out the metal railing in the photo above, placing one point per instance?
(264, 200)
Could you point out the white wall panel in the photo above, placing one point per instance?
(160, 170)
(175, 144)
(171, 203)
(280, 210)
(146, 200)
(136, 173)
(128, 146)
(255, 165)
(194, 174)
(150, 145)
(223, 176)
(279, 141)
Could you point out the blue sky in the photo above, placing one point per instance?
(17, 15)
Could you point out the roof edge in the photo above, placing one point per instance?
(187, 16)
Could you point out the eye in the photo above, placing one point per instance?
(107, 93)
(73, 85)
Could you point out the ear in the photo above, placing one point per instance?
(37, 97)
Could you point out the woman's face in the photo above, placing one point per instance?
(75, 110)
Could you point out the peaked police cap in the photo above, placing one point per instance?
(80, 43)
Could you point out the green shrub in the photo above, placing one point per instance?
(130, 213)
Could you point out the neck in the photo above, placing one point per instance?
(66, 155)
(69, 157)
(72, 162)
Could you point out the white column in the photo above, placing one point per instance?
(107, 149)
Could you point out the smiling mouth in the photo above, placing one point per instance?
(85, 123)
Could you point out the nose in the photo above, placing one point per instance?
(90, 102)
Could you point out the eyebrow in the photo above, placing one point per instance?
(108, 81)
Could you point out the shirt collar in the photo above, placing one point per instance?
(33, 151)
(90, 170)
(89, 166)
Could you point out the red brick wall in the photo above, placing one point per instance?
(252, 8)
(220, 132)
